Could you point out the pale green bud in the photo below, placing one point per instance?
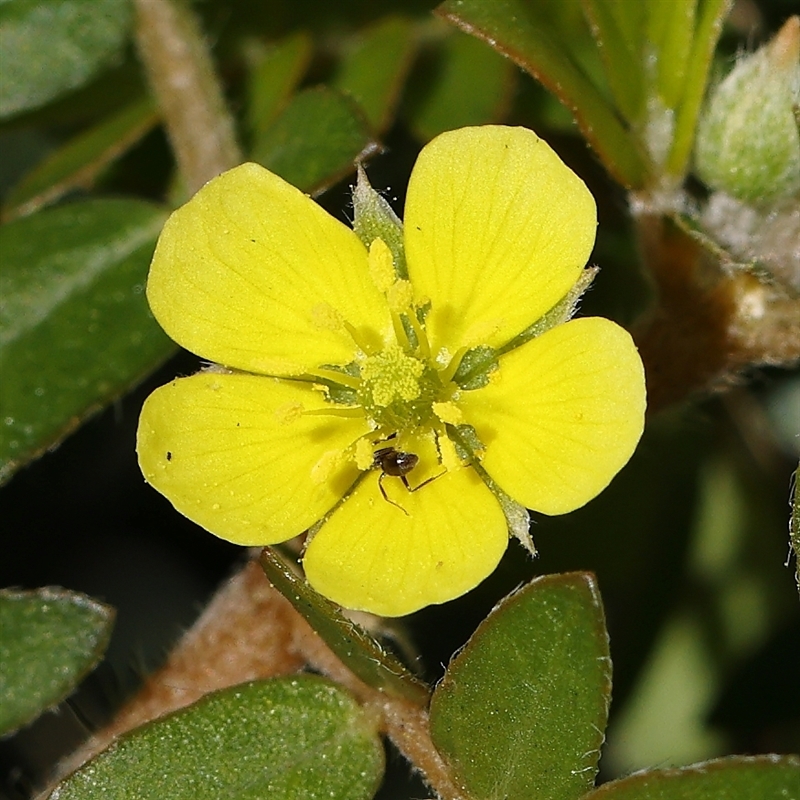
(748, 140)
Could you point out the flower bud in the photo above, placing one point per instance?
(748, 142)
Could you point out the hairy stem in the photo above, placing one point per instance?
(182, 77)
(250, 631)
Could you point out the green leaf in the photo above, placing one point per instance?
(51, 46)
(374, 68)
(78, 162)
(707, 32)
(794, 526)
(281, 739)
(75, 328)
(274, 78)
(315, 141)
(51, 639)
(732, 778)
(519, 30)
(671, 29)
(467, 83)
(630, 17)
(362, 655)
(521, 711)
(374, 218)
(621, 57)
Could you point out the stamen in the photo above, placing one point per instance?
(400, 332)
(446, 375)
(422, 337)
(447, 452)
(335, 411)
(400, 296)
(381, 265)
(364, 456)
(335, 376)
(359, 340)
(448, 412)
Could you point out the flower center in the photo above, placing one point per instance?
(397, 390)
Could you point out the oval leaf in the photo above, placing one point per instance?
(468, 83)
(75, 328)
(78, 162)
(523, 32)
(374, 67)
(315, 140)
(273, 79)
(282, 739)
(51, 639)
(732, 778)
(50, 46)
(522, 709)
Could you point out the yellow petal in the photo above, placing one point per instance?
(564, 415)
(245, 271)
(373, 556)
(497, 230)
(227, 452)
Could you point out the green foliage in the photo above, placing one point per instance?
(737, 778)
(273, 78)
(761, 92)
(75, 329)
(315, 140)
(374, 67)
(82, 37)
(688, 543)
(521, 710)
(359, 651)
(51, 639)
(471, 86)
(529, 35)
(79, 162)
(639, 110)
(288, 738)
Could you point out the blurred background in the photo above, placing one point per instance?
(689, 543)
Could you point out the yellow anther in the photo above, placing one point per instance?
(364, 454)
(400, 295)
(392, 375)
(381, 265)
(448, 412)
(448, 453)
(290, 412)
(326, 317)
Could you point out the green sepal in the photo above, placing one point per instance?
(375, 219)
(362, 654)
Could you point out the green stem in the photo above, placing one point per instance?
(182, 77)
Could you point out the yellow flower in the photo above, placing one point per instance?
(407, 411)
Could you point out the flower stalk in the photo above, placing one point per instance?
(181, 74)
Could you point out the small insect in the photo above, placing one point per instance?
(396, 464)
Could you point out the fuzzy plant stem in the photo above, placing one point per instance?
(250, 631)
(179, 68)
